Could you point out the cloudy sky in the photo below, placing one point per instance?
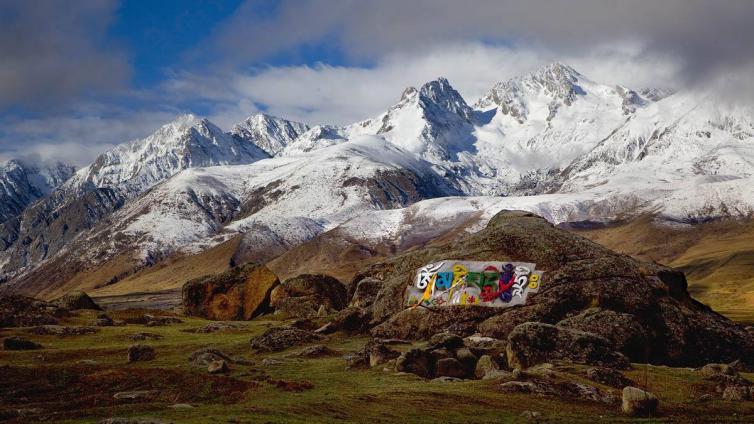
(77, 77)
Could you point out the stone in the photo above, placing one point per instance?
(235, 295)
(581, 391)
(181, 406)
(103, 321)
(532, 343)
(305, 295)
(202, 358)
(89, 362)
(637, 402)
(467, 359)
(218, 367)
(139, 353)
(379, 353)
(529, 387)
(76, 300)
(62, 331)
(737, 393)
(322, 312)
(137, 337)
(281, 338)
(364, 292)
(416, 361)
(316, 351)
(269, 362)
(710, 370)
(160, 321)
(136, 394)
(608, 376)
(530, 415)
(450, 367)
(445, 340)
(18, 343)
(484, 365)
(498, 375)
(133, 421)
(446, 379)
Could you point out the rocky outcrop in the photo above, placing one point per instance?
(76, 300)
(363, 293)
(303, 296)
(238, 294)
(22, 311)
(640, 309)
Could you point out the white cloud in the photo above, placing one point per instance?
(339, 94)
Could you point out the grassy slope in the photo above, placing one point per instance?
(718, 258)
(337, 395)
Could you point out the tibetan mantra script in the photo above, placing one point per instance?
(498, 284)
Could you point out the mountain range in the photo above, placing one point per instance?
(553, 142)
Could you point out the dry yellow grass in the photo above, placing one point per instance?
(717, 257)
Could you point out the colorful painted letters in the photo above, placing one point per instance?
(497, 284)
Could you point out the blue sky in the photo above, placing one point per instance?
(102, 72)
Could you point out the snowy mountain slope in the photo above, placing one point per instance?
(22, 184)
(277, 203)
(117, 176)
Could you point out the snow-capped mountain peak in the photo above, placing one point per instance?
(269, 133)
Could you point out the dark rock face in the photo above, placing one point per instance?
(238, 294)
(655, 318)
(76, 300)
(303, 296)
(139, 352)
(281, 338)
(17, 343)
(22, 311)
(533, 343)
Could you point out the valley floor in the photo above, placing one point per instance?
(74, 378)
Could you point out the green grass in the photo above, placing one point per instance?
(337, 395)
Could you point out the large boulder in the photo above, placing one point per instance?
(237, 294)
(534, 343)
(662, 322)
(303, 296)
(638, 402)
(76, 300)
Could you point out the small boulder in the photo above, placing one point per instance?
(160, 321)
(711, 370)
(139, 353)
(238, 294)
(136, 394)
(638, 402)
(737, 393)
(103, 320)
(76, 300)
(445, 340)
(450, 367)
(608, 376)
(532, 343)
(18, 343)
(137, 337)
(484, 366)
(378, 353)
(316, 351)
(218, 367)
(304, 296)
(281, 338)
(204, 357)
(416, 361)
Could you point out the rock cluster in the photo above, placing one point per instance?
(588, 295)
(22, 311)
